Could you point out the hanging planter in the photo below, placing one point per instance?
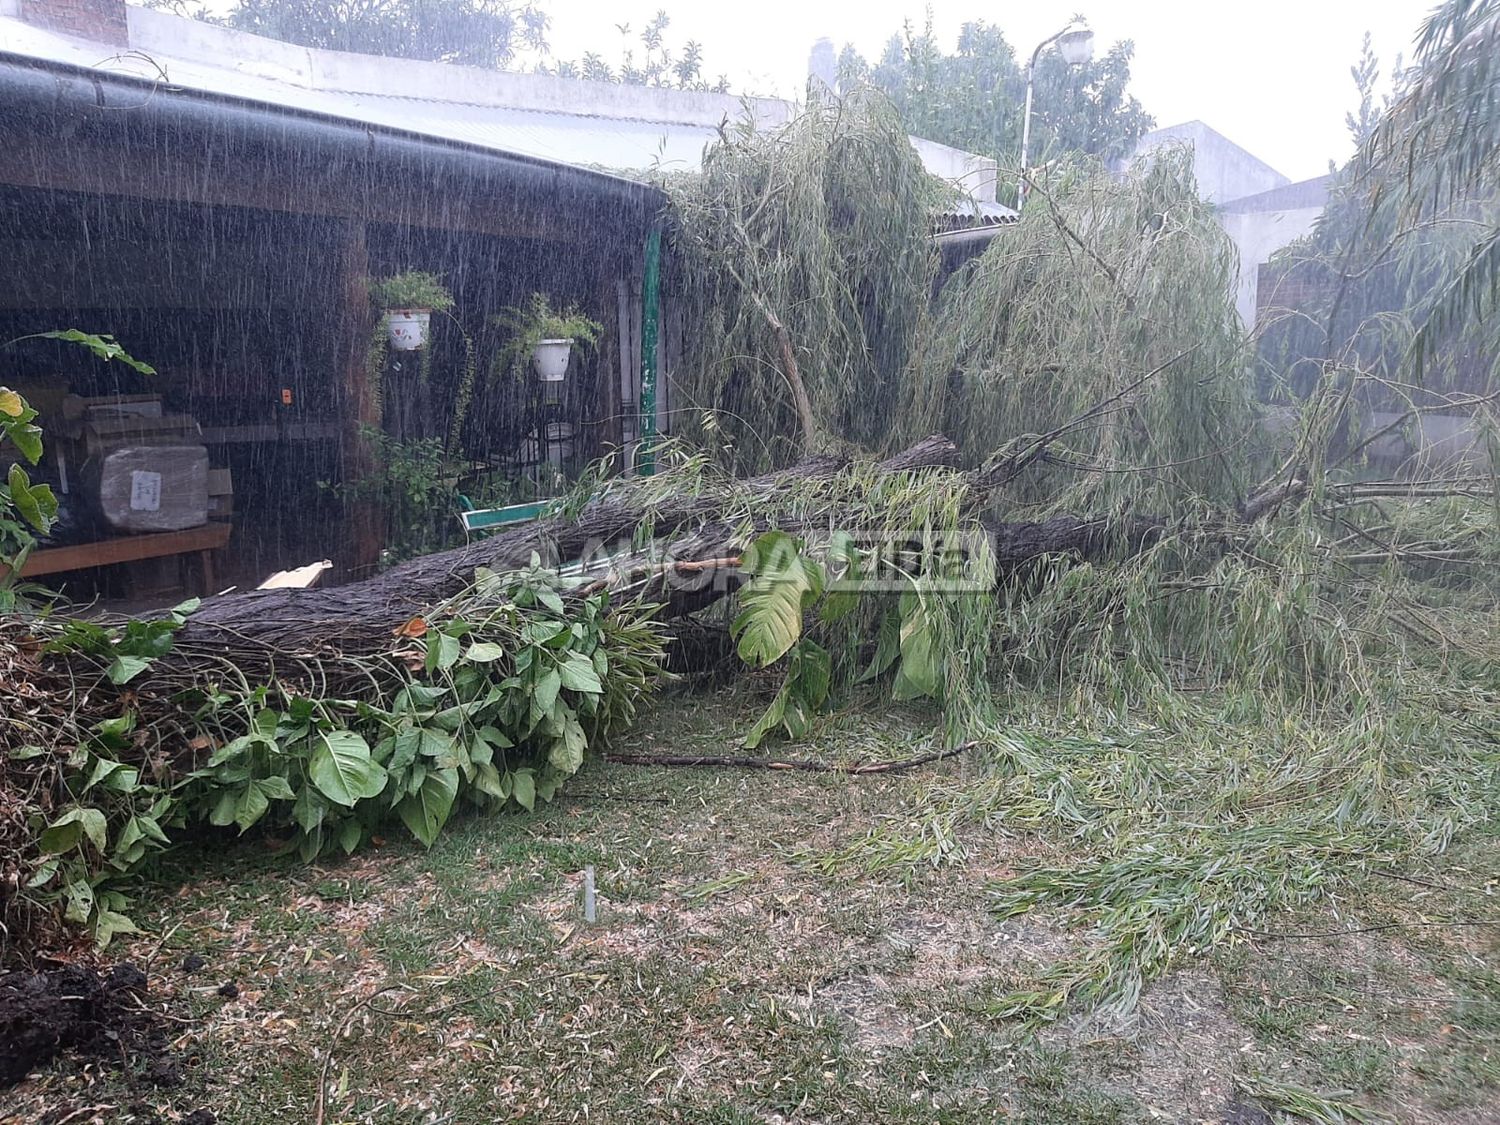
(549, 359)
(545, 336)
(409, 300)
(407, 328)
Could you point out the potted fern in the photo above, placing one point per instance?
(409, 299)
(546, 335)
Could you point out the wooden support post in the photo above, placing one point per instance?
(358, 549)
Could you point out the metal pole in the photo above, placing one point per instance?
(1026, 117)
(650, 312)
(1026, 129)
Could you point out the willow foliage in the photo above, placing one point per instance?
(822, 226)
(1104, 312)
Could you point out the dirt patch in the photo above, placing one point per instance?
(866, 1001)
(1178, 1053)
(43, 1014)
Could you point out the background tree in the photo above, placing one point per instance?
(656, 65)
(974, 98)
(1398, 280)
(472, 32)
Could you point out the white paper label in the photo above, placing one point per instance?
(145, 491)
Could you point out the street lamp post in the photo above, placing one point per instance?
(1076, 45)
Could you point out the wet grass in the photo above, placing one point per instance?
(730, 978)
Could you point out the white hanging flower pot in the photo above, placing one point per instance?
(550, 360)
(407, 328)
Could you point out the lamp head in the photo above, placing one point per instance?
(1076, 46)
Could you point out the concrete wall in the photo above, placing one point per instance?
(1223, 169)
(973, 174)
(1256, 236)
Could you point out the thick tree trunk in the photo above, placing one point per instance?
(352, 618)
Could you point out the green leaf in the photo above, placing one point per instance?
(309, 811)
(567, 749)
(485, 652)
(343, 770)
(441, 746)
(105, 347)
(887, 645)
(770, 720)
(27, 438)
(250, 806)
(578, 675)
(495, 737)
(488, 779)
(276, 788)
(407, 745)
(349, 835)
(782, 586)
(426, 811)
(843, 595)
(544, 692)
(920, 674)
(34, 502)
(67, 830)
(110, 923)
(814, 672)
(442, 651)
(80, 900)
(123, 669)
(523, 788)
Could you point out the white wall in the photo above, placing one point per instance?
(1256, 236)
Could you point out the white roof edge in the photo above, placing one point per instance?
(345, 72)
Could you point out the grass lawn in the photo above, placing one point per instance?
(739, 972)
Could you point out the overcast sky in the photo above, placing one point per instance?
(1271, 75)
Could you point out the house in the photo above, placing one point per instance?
(1260, 209)
(218, 200)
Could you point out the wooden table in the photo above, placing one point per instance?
(202, 541)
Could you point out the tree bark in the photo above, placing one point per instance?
(353, 617)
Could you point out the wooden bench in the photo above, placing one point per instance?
(202, 541)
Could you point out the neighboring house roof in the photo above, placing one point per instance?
(1301, 196)
(624, 130)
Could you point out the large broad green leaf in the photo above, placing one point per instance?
(782, 586)
(68, 829)
(844, 593)
(343, 769)
(578, 675)
(809, 674)
(123, 669)
(567, 749)
(104, 346)
(523, 788)
(109, 923)
(920, 673)
(426, 811)
(485, 652)
(544, 694)
(34, 502)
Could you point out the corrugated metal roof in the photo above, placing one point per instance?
(624, 147)
(625, 132)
